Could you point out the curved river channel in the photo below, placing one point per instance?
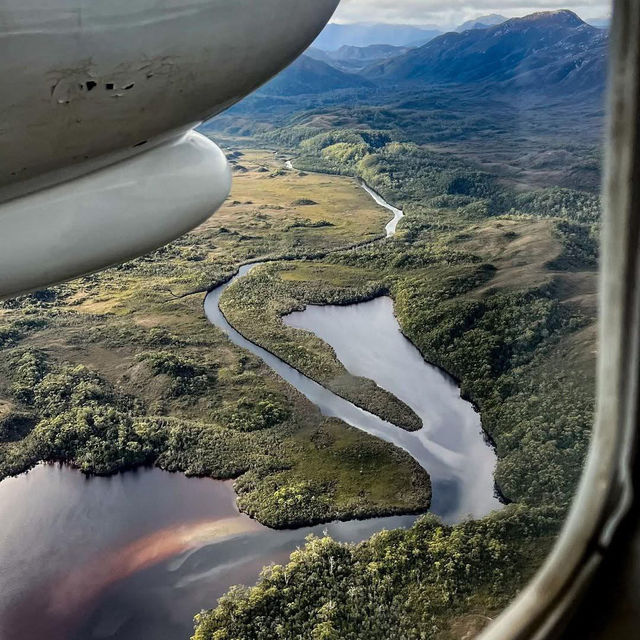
(137, 554)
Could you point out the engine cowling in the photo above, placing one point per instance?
(99, 100)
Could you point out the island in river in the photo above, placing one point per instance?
(121, 369)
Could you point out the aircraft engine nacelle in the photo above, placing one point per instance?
(99, 162)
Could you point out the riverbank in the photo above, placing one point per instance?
(460, 465)
(503, 303)
(158, 371)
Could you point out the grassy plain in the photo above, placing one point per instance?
(498, 287)
(120, 368)
(276, 212)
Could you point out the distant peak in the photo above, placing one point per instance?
(560, 16)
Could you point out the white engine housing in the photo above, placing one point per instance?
(98, 100)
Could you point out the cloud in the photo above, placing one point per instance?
(455, 11)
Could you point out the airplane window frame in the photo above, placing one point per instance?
(604, 505)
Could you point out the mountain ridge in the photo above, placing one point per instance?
(544, 51)
(336, 35)
(352, 59)
(482, 22)
(309, 75)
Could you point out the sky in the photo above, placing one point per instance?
(453, 12)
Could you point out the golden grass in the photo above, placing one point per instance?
(265, 200)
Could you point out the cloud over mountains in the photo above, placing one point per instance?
(452, 12)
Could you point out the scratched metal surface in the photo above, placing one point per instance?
(85, 78)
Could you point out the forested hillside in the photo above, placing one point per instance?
(493, 277)
(497, 286)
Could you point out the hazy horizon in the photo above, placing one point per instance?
(431, 13)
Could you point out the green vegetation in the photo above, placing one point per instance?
(187, 378)
(278, 213)
(494, 285)
(121, 369)
(259, 319)
(255, 416)
(492, 280)
(412, 174)
(401, 584)
(79, 418)
(498, 347)
(580, 244)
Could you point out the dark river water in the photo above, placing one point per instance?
(132, 556)
(451, 445)
(138, 554)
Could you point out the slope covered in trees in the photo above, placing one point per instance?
(497, 287)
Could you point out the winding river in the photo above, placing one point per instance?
(367, 340)
(398, 214)
(137, 554)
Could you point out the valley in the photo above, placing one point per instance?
(493, 276)
(506, 303)
(301, 366)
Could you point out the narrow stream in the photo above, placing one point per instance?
(398, 214)
(367, 340)
(138, 554)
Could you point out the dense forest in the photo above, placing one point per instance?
(400, 584)
(495, 285)
(493, 282)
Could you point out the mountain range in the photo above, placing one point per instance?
(352, 59)
(308, 75)
(549, 51)
(335, 36)
(552, 53)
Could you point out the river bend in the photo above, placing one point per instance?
(137, 554)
